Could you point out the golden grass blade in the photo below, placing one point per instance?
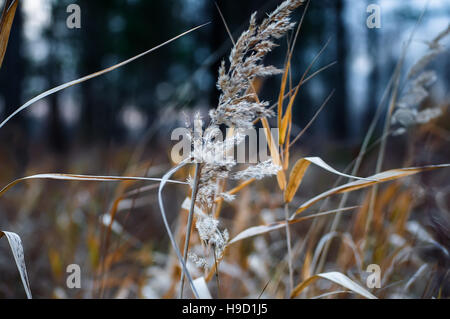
(6, 22)
(263, 229)
(75, 177)
(287, 116)
(299, 170)
(219, 200)
(93, 75)
(375, 179)
(286, 146)
(17, 250)
(337, 278)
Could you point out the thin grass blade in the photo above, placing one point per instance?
(263, 229)
(75, 177)
(274, 153)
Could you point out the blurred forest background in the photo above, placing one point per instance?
(94, 127)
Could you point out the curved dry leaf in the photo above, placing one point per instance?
(17, 250)
(75, 177)
(374, 179)
(299, 170)
(331, 293)
(346, 239)
(164, 180)
(337, 278)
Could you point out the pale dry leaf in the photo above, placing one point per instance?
(336, 277)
